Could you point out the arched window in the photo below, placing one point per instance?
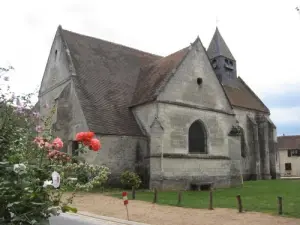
(197, 138)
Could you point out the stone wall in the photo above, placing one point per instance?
(248, 162)
(55, 89)
(119, 153)
(261, 148)
(171, 166)
(167, 122)
(58, 93)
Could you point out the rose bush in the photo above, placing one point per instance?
(34, 172)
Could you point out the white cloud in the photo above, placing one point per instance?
(263, 35)
(287, 116)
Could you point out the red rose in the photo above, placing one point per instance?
(95, 144)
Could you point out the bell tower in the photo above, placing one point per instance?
(222, 60)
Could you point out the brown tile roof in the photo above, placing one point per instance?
(154, 76)
(288, 142)
(106, 74)
(244, 97)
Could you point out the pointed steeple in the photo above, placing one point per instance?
(218, 47)
(222, 60)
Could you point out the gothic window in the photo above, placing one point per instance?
(197, 138)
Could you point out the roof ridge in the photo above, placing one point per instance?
(110, 42)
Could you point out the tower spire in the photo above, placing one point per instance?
(222, 60)
(218, 47)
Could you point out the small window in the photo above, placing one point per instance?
(288, 166)
(289, 153)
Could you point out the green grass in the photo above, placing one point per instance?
(259, 196)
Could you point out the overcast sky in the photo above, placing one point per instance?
(264, 37)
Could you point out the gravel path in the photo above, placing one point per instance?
(146, 212)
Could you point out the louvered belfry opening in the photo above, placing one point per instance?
(197, 138)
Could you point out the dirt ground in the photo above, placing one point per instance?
(168, 215)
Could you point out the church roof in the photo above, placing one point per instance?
(218, 47)
(110, 78)
(106, 75)
(242, 96)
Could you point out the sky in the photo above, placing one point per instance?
(263, 36)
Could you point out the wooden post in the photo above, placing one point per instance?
(155, 196)
(239, 200)
(210, 200)
(179, 198)
(133, 192)
(127, 212)
(279, 205)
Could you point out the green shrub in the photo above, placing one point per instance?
(130, 179)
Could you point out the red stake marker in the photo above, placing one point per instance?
(125, 199)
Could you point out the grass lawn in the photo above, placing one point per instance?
(260, 196)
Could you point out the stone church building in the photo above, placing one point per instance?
(179, 121)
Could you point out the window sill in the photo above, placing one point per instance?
(188, 156)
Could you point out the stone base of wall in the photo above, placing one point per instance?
(184, 183)
(247, 177)
(266, 177)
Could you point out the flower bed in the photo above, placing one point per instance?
(34, 171)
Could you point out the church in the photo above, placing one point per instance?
(183, 121)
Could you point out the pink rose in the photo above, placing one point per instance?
(57, 143)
